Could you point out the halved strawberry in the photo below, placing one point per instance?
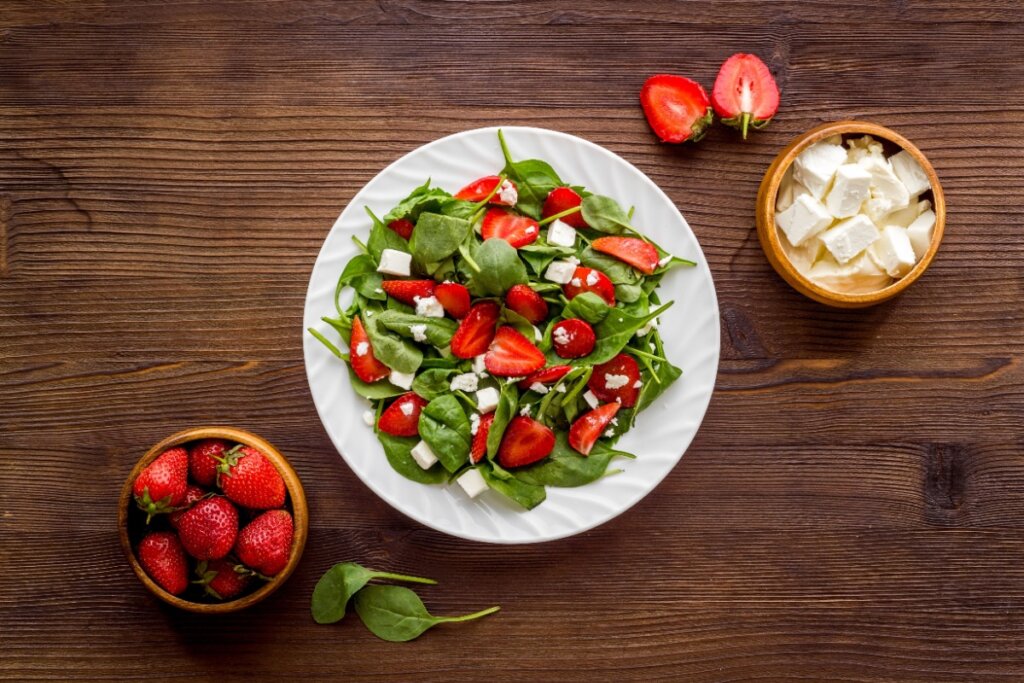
(590, 280)
(676, 107)
(545, 376)
(403, 226)
(573, 338)
(402, 417)
(479, 447)
(527, 303)
(617, 380)
(512, 355)
(515, 229)
(589, 427)
(632, 250)
(476, 331)
(454, 298)
(745, 94)
(478, 190)
(360, 355)
(525, 442)
(407, 291)
(561, 199)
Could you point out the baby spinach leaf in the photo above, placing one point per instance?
(614, 332)
(390, 349)
(508, 400)
(500, 268)
(567, 468)
(628, 294)
(436, 237)
(373, 390)
(382, 237)
(618, 272)
(396, 614)
(445, 428)
(524, 493)
(361, 274)
(398, 450)
(604, 214)
(540, 256)
(423, 198)
(438, 331)
(458, 208)
(653, 388)
(588, 306)
(432, 383)
(342, 581)
(533, 178)
(522, 325)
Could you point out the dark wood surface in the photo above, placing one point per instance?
(852, 508)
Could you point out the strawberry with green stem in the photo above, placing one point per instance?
(745, 94)
(161, 486)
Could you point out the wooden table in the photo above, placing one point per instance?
(852, 508)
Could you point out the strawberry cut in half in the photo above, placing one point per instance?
(524, 442)
(364, 363)
(407, 291)
(546, 376)
(476, 331)
(478, 449)
(515, 229)
(745, 94)
(589, 427)
(632, 250)
(454, 298)
(617, 380)
(478, 190)
(512, 355)
(562, 199)
(527, 303)
(403, 226)
(573, 338)
(402, 417)
(676, 107)
(590, 280)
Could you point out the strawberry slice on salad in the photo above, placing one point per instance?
(525, 442)
(745, 94)
(512, 355)
(573, 338)
(360, 354)
(545, 376)
(527, 303)
(408, 291)
(515, 229)
(454, 298)
(590, 280)
(476, 331)
(402, 417)
(676, 107)
(403, 226)
(479, 190)
(478, 449)
(562, 199)
(618, 380)
(632, 250)
(589, 427)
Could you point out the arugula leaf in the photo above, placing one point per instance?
(382, 237)
(398, 450)
(438, 331)
(567, 468)
(432, 383)
(500, 268)
(445, 428)
(342, 581)
(423, 198)
(396, 614)
(614, 332)
(588, 306)
(534, 180)
(508, 400)
(390, 349)
(437, 237)
(524, 493)
(604, 214)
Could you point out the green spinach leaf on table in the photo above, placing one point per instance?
(438, 331)
(398, 450)
(437, 237)
(446, 429)
(396, 614)
(424, 198)
(567, 468)
(341, 582)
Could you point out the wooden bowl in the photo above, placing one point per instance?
(769, 235)
(297, 498)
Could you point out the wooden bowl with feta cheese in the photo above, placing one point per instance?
(850, 214)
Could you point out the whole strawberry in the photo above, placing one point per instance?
(248, 478)
(161, 555)
(193, 494)
(265, 543)
(161, 486)
(222, 579)
(203, 458)
(209, 528)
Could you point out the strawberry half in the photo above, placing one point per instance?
(525, 442)
(676, 107)
(512, 355)
(562, 199)
(403, 226)
(161, 555)
(402, 417)
(573, 338)
(161, 486)
(590, 280)
(202, 460)
(617, 380)
(479, 447)
(249, 479)
(515, 229)
(476, 331)
(527, 303)
(360, 355)
(478, 190)
(632, 250)
(589, 427)
(208, 530)
(266, 542)
(546, 375)
(408, 291)
(454, 298)
(745, 94)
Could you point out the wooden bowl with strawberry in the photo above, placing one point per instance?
(213, 519)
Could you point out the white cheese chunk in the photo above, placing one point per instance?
(888, 193)
(905, 216)
(860, 276)
(486, 399)
(394, 262)
(561, 234)
(479, 365)
(423, 456)
(429, 307)
(560, 271)
(467, 382)
(851, 187)
(910, 172)
(850, 237)
(472, 482)
(651, 325)
(474, 423)
(507, 193)
(804, 219)
(419, 332)
(784, 197)
(892, 251)
(804, 256)
(863, 148)
(401, 379)
(369, 418)
(591, 399)
(539, 388)
(920, 233)
(816, 165)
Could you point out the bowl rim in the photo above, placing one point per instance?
(769, 237)
(300, 516)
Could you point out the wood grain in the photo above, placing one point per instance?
(851, 509)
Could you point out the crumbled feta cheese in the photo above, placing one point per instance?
(576, 282)
(419, 332)
(539, 388)
(887, 192)
(394, 262)
(851, 187)
(651, 324)
(592, 278)
(561, 336)
(816, 165)
(513, 380)
(369, 418)
(378, 290)
(665, 261)
(362, 348)
(467, 382)
(609, 433)
(591, 399)
(850, 237)
(407, 408)
(429, 307)
(423, 456)
(612, 381)
(531, 230)
(893, 252)
(537, 334)
(479, 366)
(507, 193)
(561, 234)
(486, 399)
(804, 219)
(525, 411)
(910, 172)
(637, 384)
(573, 260)
(401, 379)
(474, 423)
(614, 421)
(472, 482)
(560, 271)
(920, 233)
(560, 388)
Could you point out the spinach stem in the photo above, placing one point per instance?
(403, 577)
(645, 354)
(323, 340)
(469, 259)
(560, 214)
(470, 617)
(497, 186)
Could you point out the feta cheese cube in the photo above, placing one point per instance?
(560, 271)
(472, 482)
(784, 196)
(905, 216)
(863, 148)
(920, 233)
(486, 399)
(369, 418)
(479, 365)
(803, 220)
(423, 456)
(525, 410)
(401, 379)
(860, 276)
(591, 399)
(816, 165)
(804, 256)
(613, 382)
(910, 172)
(539, 388)
(561, 234)
(394, 262)
(892, 251)
(888, 193)
(429, 307)
(507, 193)
(851, 187)
(850, 237)
(467, 382)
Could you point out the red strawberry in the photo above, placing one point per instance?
(193, 494)
(512, 354)
(546, 375)
(454, 298)
(402, 417)
(573, 338)
(515, 229)
(676, 107)
(527, 303)
(617, 380)
(403, 226)
(588, 427)
(221, 579)
(745, 94)
(525, 442)
(265, 543)
(590, 280)
(632, 250)
(161, 486)
(478, 190)
(249, 479)
(202, 460)
(560, 199)
(408, 291)
(161, 555)
(476, 330)
(209, 528)
(479, 447)
(360, 355)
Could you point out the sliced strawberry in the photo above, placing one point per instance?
(527, 303)
(632, 250)
(525, 442)
(546, 376)
(676, 107)
(745, 94)
(589, 427)
(515, 229)
(617, 380)
(454, 298)
(476, 331)
(561, 199)
(479, 446)
(403, 226)
(590, 280)
(573, 338)
(407, 291)
(360, 355)
(512, 355)
(478, 190)
(402, 417)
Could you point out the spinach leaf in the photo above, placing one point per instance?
(540, 256)
(500, 268)
(534, 180)
(361, 274)
(652, 389)
(604, 214)
(391, 350)
(423, 198)
(588, 306)
(458, 208)
(432, 383)
(438, 331)
(342, 581)
(445, 428)
(522, 325)
(398, 450)
(508, 400)
(436, 237)
(565, 467)
(614, 332)
(618, 272)
(396, 614)
(628, 294)
(373, 390)
(382, 237)
(524, 493)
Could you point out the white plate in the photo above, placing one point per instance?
(662, 433)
